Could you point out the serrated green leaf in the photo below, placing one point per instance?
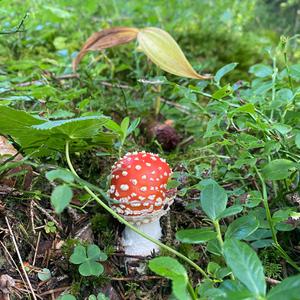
(76, 128)
(195, 236)
(61, 197)
(42, 137)
(245, 265)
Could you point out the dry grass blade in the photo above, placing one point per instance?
(106, 38)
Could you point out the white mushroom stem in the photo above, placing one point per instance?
(135, 244)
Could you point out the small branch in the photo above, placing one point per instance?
(272, 281)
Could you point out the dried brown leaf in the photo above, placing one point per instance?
(106, 38)
(8, 151)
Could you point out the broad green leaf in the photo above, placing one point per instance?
(253, 199)
(195, 236)
(44, 274)
(278, 169)
(262, 243)
(42, 137)
(282, 128)
(283, 97)
(214, 247)
(295, 71)
(212, 267)
(62, 174)
(245, 265)
(297, 140)
(61, 197)
(288, 289)
(223, 92)
(134, 124)
(247, 108)
(171, 269)
(124, 125)
(66, 297)
(21, 120)
(234, 290)
(230, 211)
(213, 200)
(259, 234)
(162, 49)
(223, 71)
(83, 127)
(94, 252)
(90, 268)
(79, 255)
(260, 70)
(242, 227)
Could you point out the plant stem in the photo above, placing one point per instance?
(270, 222)
(122, 220)
(219, 234)
(191, 291)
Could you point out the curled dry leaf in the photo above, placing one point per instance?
(163, 50)
(157, 44)
(6, 283)
(106, 38)
(8, 151)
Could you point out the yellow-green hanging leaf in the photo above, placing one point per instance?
(157, 44)
(106, 38)
(163, 50)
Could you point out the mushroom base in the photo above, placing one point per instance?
(134, 244)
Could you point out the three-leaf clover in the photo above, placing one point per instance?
(50, 227)
(87, 258)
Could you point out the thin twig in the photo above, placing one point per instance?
(20, 258)
(36, 248)
(142, 278)
(18, 28)
(61, 289)
(13, 262)
(272, 281)
(48, 216)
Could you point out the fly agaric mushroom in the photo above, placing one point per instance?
(139, 185)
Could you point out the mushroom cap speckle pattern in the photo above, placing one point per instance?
(139, 184)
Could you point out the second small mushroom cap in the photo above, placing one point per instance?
(139, 184)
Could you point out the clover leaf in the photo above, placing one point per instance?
(87, 258)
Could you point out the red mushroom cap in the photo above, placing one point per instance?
(139, 183)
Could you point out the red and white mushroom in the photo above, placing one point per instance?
(139, 185)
